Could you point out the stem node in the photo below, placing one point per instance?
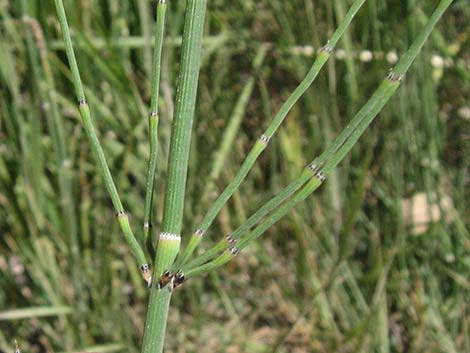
(146, 274)
(395, 77)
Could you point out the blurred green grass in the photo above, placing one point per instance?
(384, 265)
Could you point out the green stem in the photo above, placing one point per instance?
(272, 204)
(169, 239)
(262, 143)
(153, 118)
(183, 118)
(339, 149)
(227, 255)
(95, 144)
(227, 141)
(233, 126)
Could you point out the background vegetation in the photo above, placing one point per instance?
(397, 210)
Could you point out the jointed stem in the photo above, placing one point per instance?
(228, 254)
(291, 188)
(227, 139)
(169, 239)
(95, 144)
(309, 180)
(261, 144)
(330, 158)
(220, 156)
(227, 242)
(153, 118)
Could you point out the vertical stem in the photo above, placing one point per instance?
(153, 118)
(183, 119)
(169, 239)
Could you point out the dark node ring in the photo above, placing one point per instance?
(314, 168)
(394, 77)
(120, 213)
(231, 240)
(165, 278)
(317, 172)
(154, 114)
(234, 251)
(327, 48)
(321, 176)
(265, 139)
(199, 232)
(162, 1)
(82, 102)
(145, 268)
(147, 225)
(178, 279)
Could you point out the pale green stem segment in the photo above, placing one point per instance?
(153, 118)
(94, 142)
(183, 118)
(233, 126)
(169, 240)
(227, 141)
(339, 149)
(272, 204)
(230, 253)
(262, 143)
(287, 192)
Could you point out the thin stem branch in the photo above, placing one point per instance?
(95, 144)
(339, 149)
(233, 126)
(263, 141)
(153, 118)
(227, 141)
(272, 204)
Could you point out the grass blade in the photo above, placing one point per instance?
(40, 311)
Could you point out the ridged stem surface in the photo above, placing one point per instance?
(330, 158)
(95, 145)
(169, 239)
(262, 143)
(153, 116)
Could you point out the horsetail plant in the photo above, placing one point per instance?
(168, 269)
(180, 141)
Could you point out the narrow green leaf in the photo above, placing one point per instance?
(34, 312)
